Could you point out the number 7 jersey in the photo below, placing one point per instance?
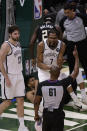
(50, 56)
(13, 63)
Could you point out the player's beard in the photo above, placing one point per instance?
(15, 39)
(52, 46)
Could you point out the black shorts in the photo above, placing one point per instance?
(53, 121)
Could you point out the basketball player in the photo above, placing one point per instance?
(12, 81)
(50, 52)
(30, 82)
(40, 34)
(52, 91)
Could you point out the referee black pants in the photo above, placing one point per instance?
(53, 121)
(82, 53)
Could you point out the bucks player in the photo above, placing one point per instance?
(12, 82)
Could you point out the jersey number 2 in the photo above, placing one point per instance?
(44, 34)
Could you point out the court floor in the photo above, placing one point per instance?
(74, 120)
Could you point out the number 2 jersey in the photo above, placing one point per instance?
(42, 31)
(13, 62)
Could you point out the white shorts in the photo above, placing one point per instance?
(79, 77)
(62, 76)
(16, 90)
(43, 75)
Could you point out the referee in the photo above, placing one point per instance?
(52, 92)
(74, 26)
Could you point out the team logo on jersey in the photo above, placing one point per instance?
(37, 9)
(57, 49)
(16, 53)
(22, 2)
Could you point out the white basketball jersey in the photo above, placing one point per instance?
(13, 63)
(50, 56)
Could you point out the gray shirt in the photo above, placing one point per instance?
(74, 28)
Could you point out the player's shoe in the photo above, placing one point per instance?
(84, 100)
(78, 104)
(75, 104)
(84, 107)
(23, 128)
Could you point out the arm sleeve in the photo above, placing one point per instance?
(39, 90)
(67, 81)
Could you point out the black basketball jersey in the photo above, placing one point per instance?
(42, 31)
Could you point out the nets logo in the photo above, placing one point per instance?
(57, 49)
(37, 9)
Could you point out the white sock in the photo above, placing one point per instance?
(83, 93)
(73, 96)
(21, 121)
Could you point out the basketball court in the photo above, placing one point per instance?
(74, 121)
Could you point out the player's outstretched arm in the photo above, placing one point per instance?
(76, 67)
(36, 106)
(60, 56)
